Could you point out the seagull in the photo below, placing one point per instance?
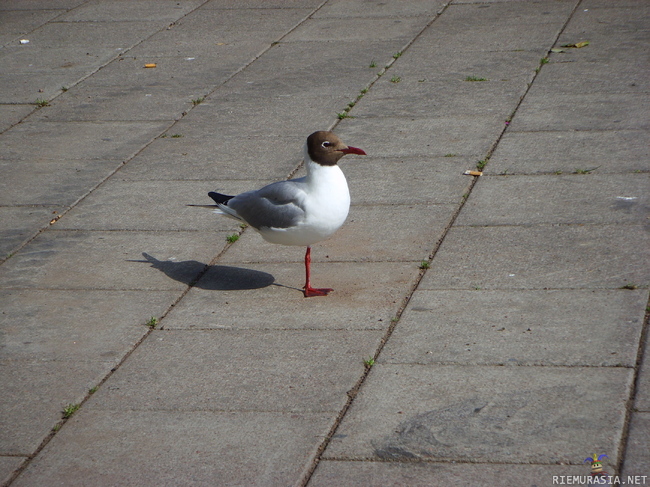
(300, 211)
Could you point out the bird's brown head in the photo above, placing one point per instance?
(325, 148)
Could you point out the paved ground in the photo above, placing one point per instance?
(513, 353)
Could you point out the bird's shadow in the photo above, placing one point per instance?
(210, 277)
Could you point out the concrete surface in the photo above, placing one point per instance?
(506, 315)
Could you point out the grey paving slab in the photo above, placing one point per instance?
(115, 10)
(183, 73)
(110, 260)
(606, 17)
(111, 34)
(403, 95)
(92, 103)
(8, 465)
(78, 140)
(60, 183)
(34, 395)
(412, 231)
(604, 47)
(14, 24)
(147, 205)
(612, 151)
(39, 4)
(377, 8)
(45, 59)
(216, 158)
(637, 458)
(484, 414)
(437, 180)
(450, 65)
(492, 29)
(591, 198)
(255, 4)
(224, 31)
(222, 298)
(589, 111)
(12, 114)
(278, 118)
(22, 223)
(539, 257)
(27, 89)
(468, 135)
(197, 447)
(45, 72)
(76, 325)
(291, 69)
(426, 474)
(566, 75)
(500, 13)
(519, 327)
(297, 371)
(349, 29)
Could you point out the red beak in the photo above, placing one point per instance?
(353, 150)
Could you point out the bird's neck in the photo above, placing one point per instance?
(317, 173)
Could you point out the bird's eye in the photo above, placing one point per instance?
(326, 144)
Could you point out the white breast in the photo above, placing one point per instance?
(326, 204)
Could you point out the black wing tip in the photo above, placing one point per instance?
(220, 199)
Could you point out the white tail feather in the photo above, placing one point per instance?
(229, 212)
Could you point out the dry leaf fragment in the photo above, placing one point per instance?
(577, 45)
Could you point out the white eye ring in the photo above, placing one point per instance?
(326, 144)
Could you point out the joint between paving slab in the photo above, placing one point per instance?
(630, 408)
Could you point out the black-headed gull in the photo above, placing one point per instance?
(299, 211)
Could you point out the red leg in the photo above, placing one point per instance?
(310, 291)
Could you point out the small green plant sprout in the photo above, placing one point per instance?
(153, 321)
(93, 390)
(40, 102)
(480, 165)
(364, 91)
(177, 136)
(70, 409)
(425, 264)
(343, 115)
(351, 105)
(373, 64)
(56, 427)
(544, 60)
(629, 286)
(232, 238)
(475, 78)
(243, 225)
(395, 79)
(369, 362)
(585, 171)
(198, 101)
(64, 88)
(450, 155)
(397, 54)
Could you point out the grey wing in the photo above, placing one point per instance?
(277, 205)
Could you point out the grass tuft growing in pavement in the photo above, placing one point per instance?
(70, 409)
